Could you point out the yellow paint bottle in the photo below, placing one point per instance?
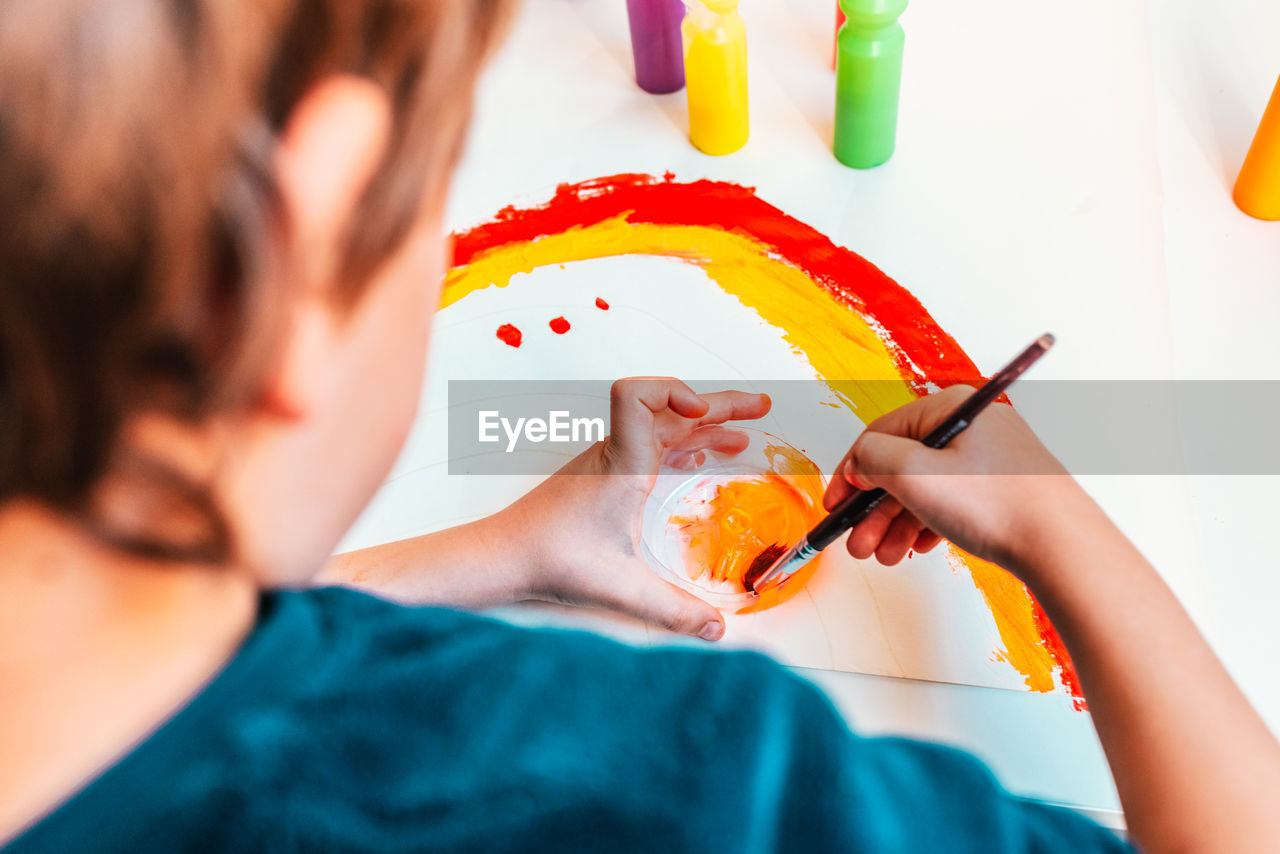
(715, 70)
(1257, 190)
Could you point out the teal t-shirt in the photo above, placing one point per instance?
(347, 723)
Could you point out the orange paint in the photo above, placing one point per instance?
(742, 519)
(859, 329)
(1014, 614)
(724, 534)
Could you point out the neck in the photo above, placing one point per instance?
(96, 649)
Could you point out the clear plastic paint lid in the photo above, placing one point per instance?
(704, 526)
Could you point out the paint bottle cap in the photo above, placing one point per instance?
(1257, 189)
(873, 13)
(721, 7)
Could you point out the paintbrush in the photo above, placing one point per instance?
(776, 565)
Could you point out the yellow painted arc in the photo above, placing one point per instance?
(837, 342)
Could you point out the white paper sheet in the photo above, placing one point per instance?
(1024, 197)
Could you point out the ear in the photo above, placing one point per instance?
(331, 146)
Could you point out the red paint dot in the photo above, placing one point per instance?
(508, 334)
(601, 304)
(559, 326)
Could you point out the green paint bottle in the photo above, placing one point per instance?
(868, 74)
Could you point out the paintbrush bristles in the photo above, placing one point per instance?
(763, 562)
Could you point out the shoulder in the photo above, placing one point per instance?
(456, 684)
(450, 713)
(440, 714)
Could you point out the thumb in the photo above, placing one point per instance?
(654, 600)
(882, 459)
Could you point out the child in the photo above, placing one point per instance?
(220, 254)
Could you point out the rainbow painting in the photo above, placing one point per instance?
(865, 336)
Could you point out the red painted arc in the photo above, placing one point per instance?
(924, 352)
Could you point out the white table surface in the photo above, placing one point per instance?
(1207, 76)
(1213, 72)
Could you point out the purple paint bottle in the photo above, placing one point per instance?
(655, 42)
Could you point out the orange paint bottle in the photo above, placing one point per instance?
(1257, 190)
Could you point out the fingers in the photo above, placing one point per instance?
(899, 539)
(634, 404)
(840, 486)
(646, 596)
(722, 439)
(644, 397)
(926, 542)
(684, 460)
(882, 460)
(865, 538)
(882, 448)
(655, 419)
(889, 533)
(725, 406)
(722, 406)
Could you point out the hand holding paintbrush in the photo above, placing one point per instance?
(775, 566)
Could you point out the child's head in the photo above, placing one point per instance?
(220, 251)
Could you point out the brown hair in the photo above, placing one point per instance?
(137, 208)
